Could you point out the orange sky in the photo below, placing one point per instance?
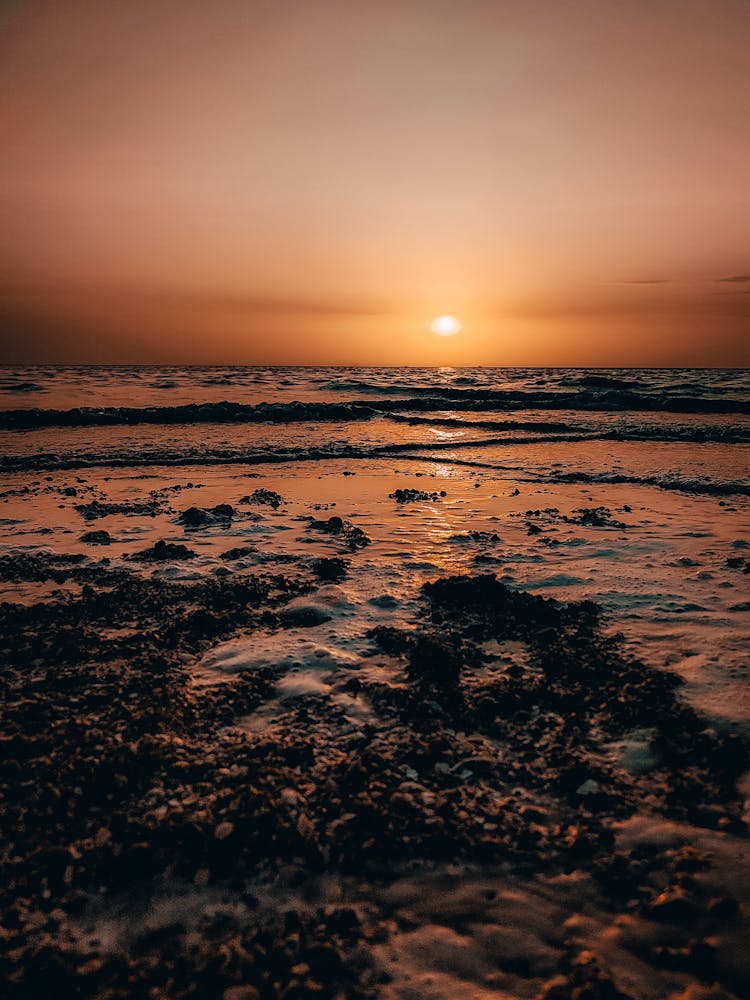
(311, 181)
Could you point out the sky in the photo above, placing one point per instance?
(312, 181)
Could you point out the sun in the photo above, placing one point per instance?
(445, 326)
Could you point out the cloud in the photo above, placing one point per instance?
(647, 281)
(734, 279)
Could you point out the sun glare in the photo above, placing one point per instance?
(445, 326)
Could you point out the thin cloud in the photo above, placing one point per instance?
(647, 281)
(734, 279)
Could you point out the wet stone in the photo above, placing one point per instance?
(96, 538)
(239, 552)
(163, 551)
(330, 569)
(206, 517)
(413, 496)
(96, 509)
(354, 537)
(265, 497)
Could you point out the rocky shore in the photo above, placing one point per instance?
(155, 842)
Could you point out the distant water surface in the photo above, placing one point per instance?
(70, 386)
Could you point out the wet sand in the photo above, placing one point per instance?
(392, 728)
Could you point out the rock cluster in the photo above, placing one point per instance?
(354, 537)
(411, 496)
(265, 497)
(163, 551)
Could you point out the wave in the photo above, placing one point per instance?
(375, 388)
(11, 385)
(495, 425)
(280, 455)
(716, 433)
(608, 398)
(421, 400)
(191, 413)
(211, 455)
(693, 485)
(604, 382)
(705, 485)
(53, 461)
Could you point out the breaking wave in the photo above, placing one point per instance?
(421, 400)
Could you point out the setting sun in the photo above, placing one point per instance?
(445, 326)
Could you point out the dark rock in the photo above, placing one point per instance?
(195, 517)
(354, 537)
(333, 525)
(330, 569)
(95, 509)
(163, 552)
(724, 908)
(595, 517)
(205, 517)
(264, 497)
(673, 906)
(238, 552)
(412, 496)
(433, 661)
(97, 538)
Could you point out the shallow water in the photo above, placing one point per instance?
(665, 578)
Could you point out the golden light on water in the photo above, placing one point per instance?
(445, 326)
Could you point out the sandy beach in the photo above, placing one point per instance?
(376, 683)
